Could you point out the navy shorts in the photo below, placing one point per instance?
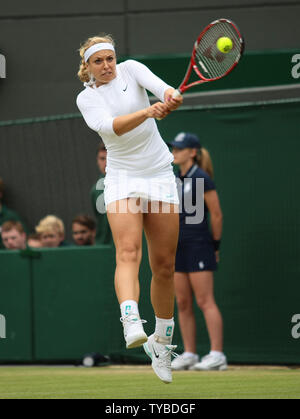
(195, 257)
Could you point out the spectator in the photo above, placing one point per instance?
(34, 241)
(197, 256)
(52, 232)
(103, 232)
(13, 235)
(7, 214)
(84, 230)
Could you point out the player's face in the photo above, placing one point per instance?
(102, 65)
(183, 155)
(13, 240)
(82, 236)
(101, 160)
(51, 239)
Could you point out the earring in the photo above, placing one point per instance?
(92, 79)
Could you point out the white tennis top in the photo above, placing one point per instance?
(141, 151)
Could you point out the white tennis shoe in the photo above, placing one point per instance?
(211, 363)
(133, 330)
(184, 362)
(160, 353)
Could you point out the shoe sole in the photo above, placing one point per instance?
(136, 341)
(148, 352)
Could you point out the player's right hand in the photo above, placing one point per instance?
(158, 110)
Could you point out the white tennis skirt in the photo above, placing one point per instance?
(160, 186)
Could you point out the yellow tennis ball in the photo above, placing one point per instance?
(224, 44)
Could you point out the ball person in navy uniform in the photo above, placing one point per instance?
(197, 256)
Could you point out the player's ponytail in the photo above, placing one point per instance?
(83, 73)
(203, 160)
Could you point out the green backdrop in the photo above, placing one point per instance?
(62, 304)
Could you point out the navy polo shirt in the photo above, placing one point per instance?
(194, 232)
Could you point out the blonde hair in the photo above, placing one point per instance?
(203, 160)
(51, 223)
(83, 72)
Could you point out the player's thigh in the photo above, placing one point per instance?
(126, 226)
(161, 230)
(203, 286)
(183, 291)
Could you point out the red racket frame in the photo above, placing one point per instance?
(192, 66)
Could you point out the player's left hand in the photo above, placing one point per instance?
(172, 103)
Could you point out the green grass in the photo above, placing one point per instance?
(139, 382)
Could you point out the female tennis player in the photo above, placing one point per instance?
(197, 256)
(140, 187)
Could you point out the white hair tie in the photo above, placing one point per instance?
(97, 47)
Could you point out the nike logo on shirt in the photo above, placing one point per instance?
(124, 90)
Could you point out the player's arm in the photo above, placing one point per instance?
(125, 123)
(149, 81)
(99, 120)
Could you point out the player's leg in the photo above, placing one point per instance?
(203, 286)
(187, 322)
(126, 229)
(127, 235)
(161, 231)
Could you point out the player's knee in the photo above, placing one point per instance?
(164, 270)
(128, 253)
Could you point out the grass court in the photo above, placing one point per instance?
(139, 382)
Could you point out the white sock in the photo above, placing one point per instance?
(216, 353)
(129, 306)
(164, 329)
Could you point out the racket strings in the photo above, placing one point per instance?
(219, 60)
(215, 62)
(211, 62)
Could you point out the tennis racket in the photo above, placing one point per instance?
(207, 61)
